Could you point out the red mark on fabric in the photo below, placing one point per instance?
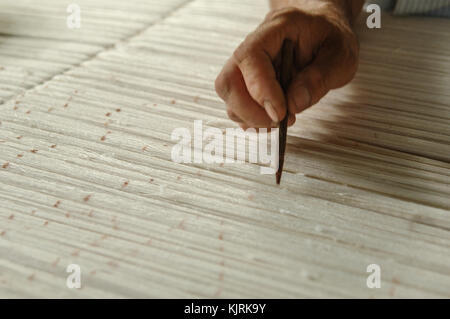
(55, 263)
(76, 253)
(218, 292)
(181, 225)
(392, 291)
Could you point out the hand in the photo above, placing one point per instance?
(326, 58)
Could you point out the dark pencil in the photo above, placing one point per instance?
(284, 78)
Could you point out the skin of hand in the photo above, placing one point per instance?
(326, 58)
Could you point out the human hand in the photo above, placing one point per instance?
(326, 58)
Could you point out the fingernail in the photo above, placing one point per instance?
(271, 111)
(302, 99)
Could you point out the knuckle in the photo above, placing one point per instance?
(244, 49)
(352, 67)
(287, 15)
(232, 115)
(256, 90)
(222, 86)
(225, 81)
(351, 46)
(270, 15)
(230, 112)
(349, 64)
(354, 58)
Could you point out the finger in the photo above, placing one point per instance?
(261, 82)
(233, 116)
(222, 83)
(291, 119)
(240, 105)
(243, 126)
(333, 67)
(222, 86)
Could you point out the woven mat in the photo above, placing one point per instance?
(86, 175)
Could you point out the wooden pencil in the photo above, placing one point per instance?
(284, 77)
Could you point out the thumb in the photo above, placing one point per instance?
(307, 88)
(329, 70)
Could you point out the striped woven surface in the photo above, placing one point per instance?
(429, 7)
(86, 175)
(438, 8)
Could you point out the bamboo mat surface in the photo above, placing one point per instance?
(86, 175)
